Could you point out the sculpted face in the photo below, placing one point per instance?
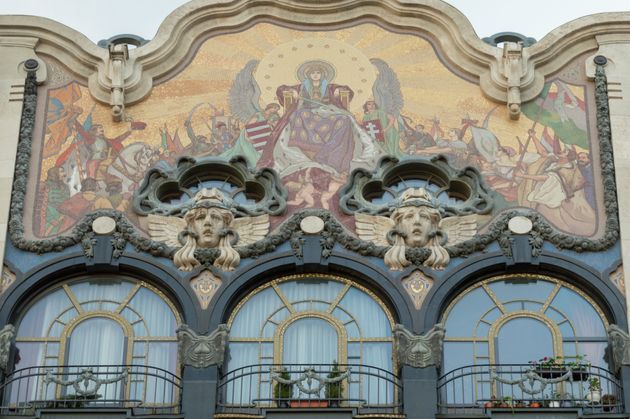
(416, 224)
(207, 223)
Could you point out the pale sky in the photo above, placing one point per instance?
(99, 19)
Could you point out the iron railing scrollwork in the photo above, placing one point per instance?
(256, 388)
(474, 389)
(142, 389)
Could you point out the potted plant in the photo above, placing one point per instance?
(549, 367)
(594, 390)
(334, 391)
(535, 404)
(579, 368)
(491, 403)
(608, 401)
(282, 393)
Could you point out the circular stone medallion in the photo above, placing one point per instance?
(520, 225)
(312, 224)
(104, 225)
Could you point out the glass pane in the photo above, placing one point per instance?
(537, 290)
(566, 329)
(368, 313)
(482, 330)
(52, 349)
(582, 315)
(481, 349)
(341, 315)
(267, 349)
(457, 354)
(40, 316)
(322, 290)
(97, 341)
(310, 341)
(99, 305)
(102, 289)
(29, 354)
(514, 306)
(354, 349)
(522, 340)
(250, 318)
(353, 331)
(594, 352)
(310, 306)
(466, 313)
(242, 354)
(155, 312)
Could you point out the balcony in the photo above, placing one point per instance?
(481, 389)
(262, 389)
(136, 389)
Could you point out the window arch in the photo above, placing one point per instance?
(523, 317)
(270, 322)
(104, 324)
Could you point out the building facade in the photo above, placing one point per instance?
(335, 209)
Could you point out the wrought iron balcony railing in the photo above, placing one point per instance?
(255, 388)
(144, 389)
(475, 389)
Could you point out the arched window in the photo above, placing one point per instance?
(521, 318)
(117, 329)
(310, 322)
(279, 321)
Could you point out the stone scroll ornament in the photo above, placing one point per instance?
(209, 223)
(6, 340)
(202, 351)
(416, 222)
(619, 347)
(419, 351)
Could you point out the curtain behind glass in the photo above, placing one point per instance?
(98, 341)
(369, 314)
(310, 341)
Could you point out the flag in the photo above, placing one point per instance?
(374, 129)
(561, 111)
(259, 134)
(60, 116)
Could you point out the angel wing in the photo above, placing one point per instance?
(244, 94)
(251, 229)
(461, 228)
(386, 89)
(166, 229)
(373, 228)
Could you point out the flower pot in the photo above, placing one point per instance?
(594, 396)
(580, 374)
(308, 403)
(535, 405)
(488, 405)
(550, 372)
(554, 403)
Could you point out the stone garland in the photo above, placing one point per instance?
(333, 231)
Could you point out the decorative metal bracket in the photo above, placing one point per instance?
(82, 385)
(304, 381)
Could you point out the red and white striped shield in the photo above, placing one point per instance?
(258, 133)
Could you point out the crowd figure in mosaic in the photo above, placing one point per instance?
(415, 222)
(314, 117)
(209, 223)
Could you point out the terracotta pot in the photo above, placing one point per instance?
(309, 403)
(535, 405)
(488, 405)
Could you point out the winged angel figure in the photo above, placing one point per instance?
(416, 222)
(316, 128)
(209, 223)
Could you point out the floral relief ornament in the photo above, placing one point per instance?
(416, 222)
(208, 224)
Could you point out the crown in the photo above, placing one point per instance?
(208, 198)
(417, 197)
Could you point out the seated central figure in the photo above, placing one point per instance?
(316, 129)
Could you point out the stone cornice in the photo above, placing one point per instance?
(522, 73)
